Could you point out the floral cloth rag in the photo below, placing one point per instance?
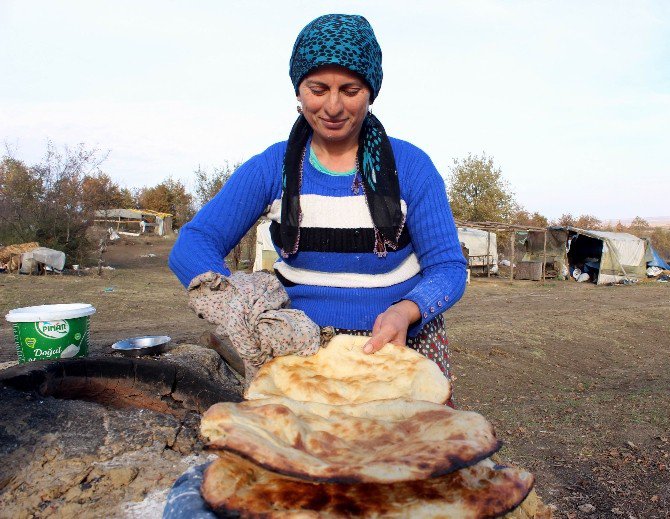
(251, 310)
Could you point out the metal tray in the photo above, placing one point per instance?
(146, 345)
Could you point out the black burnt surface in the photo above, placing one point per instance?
(121, 382)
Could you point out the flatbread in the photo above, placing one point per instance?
(233, 485)
(380, 441)
(341, 373)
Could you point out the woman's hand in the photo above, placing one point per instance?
(392, 325)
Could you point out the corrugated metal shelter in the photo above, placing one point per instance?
(154, 221)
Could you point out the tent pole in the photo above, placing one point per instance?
(488, 253)
(544, 256)
(511, 261)
(611, 248)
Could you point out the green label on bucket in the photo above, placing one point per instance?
(49, 340)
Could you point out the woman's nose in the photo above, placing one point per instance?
(334, 103)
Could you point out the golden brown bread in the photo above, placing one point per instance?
(234, 485)
(380, 441)
(342, 374)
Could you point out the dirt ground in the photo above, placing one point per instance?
(576, 378)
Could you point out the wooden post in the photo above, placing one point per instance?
(488, 252)
(544, 256)
(511, 260)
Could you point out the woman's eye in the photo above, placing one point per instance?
(317, 91)
(352, 92)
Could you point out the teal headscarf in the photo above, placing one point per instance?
(338, 39)
(347, 41)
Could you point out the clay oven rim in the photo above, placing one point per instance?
(121, 382)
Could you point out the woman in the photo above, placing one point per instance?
(361, 221)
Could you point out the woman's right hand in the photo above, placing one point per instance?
(391, 326)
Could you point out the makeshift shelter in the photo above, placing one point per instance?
(608, 257)
(266, 255)
(490, 228)
(553, 249)
(482, 248)
(51, 258)
(138, 220)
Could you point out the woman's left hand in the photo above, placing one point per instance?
(392, 325)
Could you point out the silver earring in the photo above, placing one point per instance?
(299, 108)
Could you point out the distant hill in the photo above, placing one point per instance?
(654, 221)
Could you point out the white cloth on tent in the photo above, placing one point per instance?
(628, 249)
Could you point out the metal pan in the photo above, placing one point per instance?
(146, 345)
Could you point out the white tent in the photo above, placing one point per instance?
(616, 256)
(482, 247)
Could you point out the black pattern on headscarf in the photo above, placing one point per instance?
(378, 178)
(338, 39)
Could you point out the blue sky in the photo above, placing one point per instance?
(572, 99)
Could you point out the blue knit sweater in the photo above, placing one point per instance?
(335, 277)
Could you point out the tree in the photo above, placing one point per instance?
(169, 196)
(478, 192)
(566, 220)
(660, 238)
(100, 192)
(129, 199)
(587, 221)
(206, 186)
(43, 202)
(523, 217)
(21, 191)
(62, 173)
(639, 224)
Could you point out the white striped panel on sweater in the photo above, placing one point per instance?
(408, 268)
(346, 212)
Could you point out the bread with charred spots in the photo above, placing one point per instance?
(380, 441)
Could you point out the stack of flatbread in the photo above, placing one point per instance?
(342, 434)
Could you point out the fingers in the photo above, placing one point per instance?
(390, 326)
(381, 334)
(375, 343)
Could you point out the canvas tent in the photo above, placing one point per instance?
(608, 257)
(482, 247)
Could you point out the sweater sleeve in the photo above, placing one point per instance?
(435, 241)
(204, 242)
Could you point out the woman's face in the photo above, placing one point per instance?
(334, 101)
